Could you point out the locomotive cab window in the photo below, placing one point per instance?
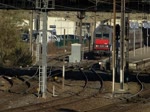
(106, 35)
(98, 35)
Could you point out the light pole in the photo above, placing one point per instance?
(134, 26)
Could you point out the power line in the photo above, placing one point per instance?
(9, 6)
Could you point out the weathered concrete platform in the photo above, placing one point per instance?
(140, 58)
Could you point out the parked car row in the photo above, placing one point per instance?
(50, 37)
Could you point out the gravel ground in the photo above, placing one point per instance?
(9, 100)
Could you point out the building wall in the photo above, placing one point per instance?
(60, 23)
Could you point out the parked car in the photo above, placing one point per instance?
(25, 37)
(68, 37)
(50, 37)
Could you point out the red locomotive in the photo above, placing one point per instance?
(102, 41)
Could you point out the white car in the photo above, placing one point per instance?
(50, 37)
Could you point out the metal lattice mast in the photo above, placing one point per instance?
(37, 26)
(44, 50)
(31, 30)
(43, 6)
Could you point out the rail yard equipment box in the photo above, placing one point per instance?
(75, 53)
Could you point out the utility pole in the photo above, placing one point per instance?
(127, 47)
(93, 24)
(122, 44)
(31, 30)
(93, 39)
(114, 47)
(63, 68)
(81, 16)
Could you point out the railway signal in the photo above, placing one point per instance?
(117, 31)
(117, 48)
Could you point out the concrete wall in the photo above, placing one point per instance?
(60, 23)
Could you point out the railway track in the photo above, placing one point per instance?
(83, 91)
(33, 85)
(77, 99)
(122, 106)
(18, 87)
(6, 83)
(53, 105)
(128, 103)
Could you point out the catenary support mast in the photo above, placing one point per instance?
(44, 50)
(114, 47)
(122, 44)
(43, 6)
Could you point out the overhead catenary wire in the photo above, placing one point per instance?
(75, 9)
(9, 6)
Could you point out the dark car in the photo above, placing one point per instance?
(68, 37)
(25, 37)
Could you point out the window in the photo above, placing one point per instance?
(106, 35)
(98, 35)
